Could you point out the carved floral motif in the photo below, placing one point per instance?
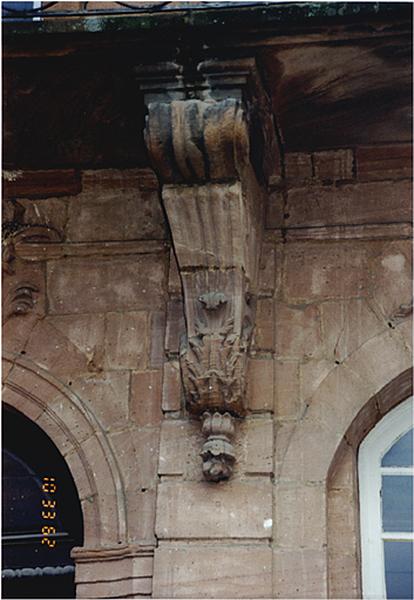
(218, 452)
(198, 134)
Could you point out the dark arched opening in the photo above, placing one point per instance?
(42, 518)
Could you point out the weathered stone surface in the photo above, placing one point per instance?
(389, 350)
(174, 279)
(283, 434)
(333, 165)
(302, 460)
(298, 166)
(346, 326)
(181, 440)
(137, 454)
(141, 514)
(145, 398)
(384, 162)
(323, 406)
(193, 571)
(312, 373)
(343, 529)
(82, 286)
(124, 588)
(274, 210)
(287, 390)
(51, 212)
(86, 333)
(113, 207)
(353, 204)
(322, 271)
(405, 330)
(216, 225)
(41, 184)
(298, 331)
(23, 304)
(32, 410)
(206, 510)
(53, 351)
(175, 328)
(264, 336)
(107, 395)
(172, 387)
(302, 522)
(299, 573)
(23, 274)
(259, 446)
(126, 340)
(125, 567)
(217, 137)
(176, 446)
(157, 336)
(392, 278)
(344, 576)
(260, 384)
(267, 270)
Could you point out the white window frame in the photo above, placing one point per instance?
(371, 451)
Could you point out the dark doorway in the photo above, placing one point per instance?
(41, 513)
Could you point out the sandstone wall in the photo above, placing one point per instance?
(332, 329)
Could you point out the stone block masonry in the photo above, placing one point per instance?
(332, 325)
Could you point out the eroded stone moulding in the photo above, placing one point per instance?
(201, 137)
(20, 299)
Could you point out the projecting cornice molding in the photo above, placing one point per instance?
(211, 142)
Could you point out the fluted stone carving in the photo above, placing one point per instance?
(196, 140)
(199, 135)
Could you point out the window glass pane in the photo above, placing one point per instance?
(401, 453)
(397, 503)
(399, 569)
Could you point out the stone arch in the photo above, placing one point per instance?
(337, 401)
(81, 440)
(342, 489)
(314, 442)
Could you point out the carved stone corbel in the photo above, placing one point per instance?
(201, 137)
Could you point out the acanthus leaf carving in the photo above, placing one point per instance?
(198, 135)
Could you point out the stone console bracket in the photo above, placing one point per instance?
(211, 142)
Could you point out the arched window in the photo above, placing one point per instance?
(386, 506)
(41, 513)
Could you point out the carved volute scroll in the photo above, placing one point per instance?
(198, 135)
(20, 296)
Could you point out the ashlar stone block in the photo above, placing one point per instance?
(232, 509)
(299, 573)
(217, 571)
(322, 271)
(172, 387)
(260, 384)
(287, 389)
(298, 332)
(112, 206)
(107, 395)
(79, 285)
(145, 398)
(259, 445)
(125, 340)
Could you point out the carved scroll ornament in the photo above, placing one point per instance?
(199, 145)
(21, 296)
